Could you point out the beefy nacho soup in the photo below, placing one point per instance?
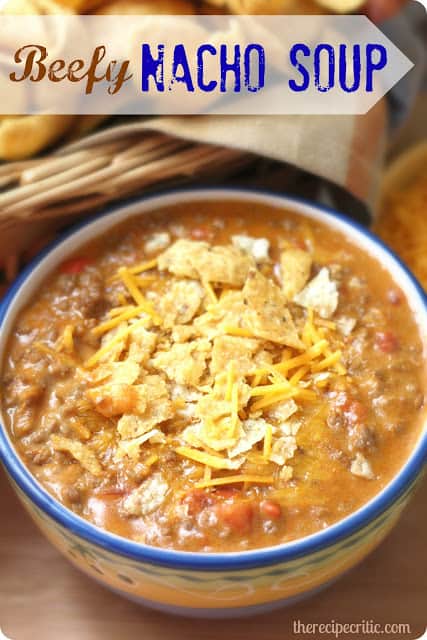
(218, 377)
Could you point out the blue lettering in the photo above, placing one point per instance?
(212, 85)
(293, 55)
(233, 66)
(371, 65)
(153, 67)
(180, 60)
(357, 68)
(254, 88)
(331, 67)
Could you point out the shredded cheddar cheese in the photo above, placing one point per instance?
(117, 311)
(120, 335)
(249, 478)
(67, 341)
(130, 312)
(237, 331)
(215, 462)
(130, 284)
(144, 266)
(267, 441)
(234, 407)
(330, 360)
(299, 375)
(210, 291)
(230, 380)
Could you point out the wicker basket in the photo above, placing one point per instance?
(41, 195)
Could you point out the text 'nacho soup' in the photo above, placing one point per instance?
(216, 377)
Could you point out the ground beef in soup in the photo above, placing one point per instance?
(218, 377)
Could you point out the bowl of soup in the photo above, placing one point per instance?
(213, 401)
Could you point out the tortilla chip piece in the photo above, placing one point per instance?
(266, 315)
(184, 363)
(181, 303)
(141, 345)
(114, 399)
(258, 248)
(295, 266)
(229, 311)
(289, 427)
(157, 242)
(124, 372)
(232, 348)
(215, 414)
(159, 405)
(153, 395)
(286, 473)
(253, 431)
(115, 351)
(321, 295)
(283, 449)
(361, 467)
(225, 265)
(131, 426)
(147, 497)
(79, 451)
(281, 412)
(132, 448)
(183, 333)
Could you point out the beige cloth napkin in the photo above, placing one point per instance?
(345, 150)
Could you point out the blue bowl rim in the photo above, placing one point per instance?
(193, 561)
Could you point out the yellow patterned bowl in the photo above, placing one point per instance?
(216, 584)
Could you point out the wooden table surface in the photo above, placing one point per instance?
(43, 597)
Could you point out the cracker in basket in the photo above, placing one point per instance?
(147, 7)
(267, 7)
(341, 6)
(24, 136)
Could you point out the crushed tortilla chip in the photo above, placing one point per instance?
(113, 399)
(289, 427)
(258, 248)
(283, 449)
(267, 315)
(79, 451)
(157, 242)
(191, 259)
(131, 448)
(141, 345)
(231, 348)
(147, 497)
(185, 363)
(253, 431)
(182, 333)
(152, 406)
(295, 266)
(181, 302)
(361, 467)
(321, 295)
(282, 411)
(286, 473)
(123, 372)
(228, 311)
